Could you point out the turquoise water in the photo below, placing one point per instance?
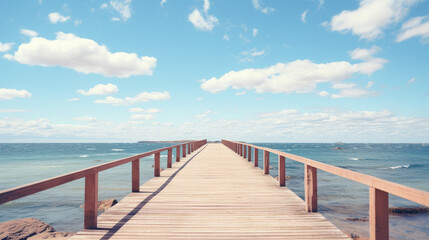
(338, 198)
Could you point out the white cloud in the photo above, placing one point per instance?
(104, 6)
(225, 37)
(370, 84)
(8, 94)
(72, 99)
(300, 76)
(321, 2)
(200, 99)
(412, 80)
(371, 18)
(203, 116)
(78, 22)
(4, 47)
(116, 19)
(254, 32)
(415, 27)
(82, 55)
(303, 16)
(141, 110)
(206, 5)
(353, 93)
(85, 119)
(57, 17)
(253, 52)
(141, 97)
(28, 32)
(364, 54)
(204, 23)
(163, 2)
(323, 94)
(142, 117)
(343, 85)
(240, 93)
(257, 5)
(100, 89)
(12, 110)
(122, 7)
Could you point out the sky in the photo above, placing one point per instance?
(249, 70)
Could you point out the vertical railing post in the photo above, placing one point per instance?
(178, 154)
(282, 171)
(266, 162)
(249, 153)
(157, 168)
(255, 164)
(378, 214)
(184, 150)
(189, 148)
(169, 157)
(135, 175)
(91, 201)
(310, 183)
(244, 151)
(241, 150)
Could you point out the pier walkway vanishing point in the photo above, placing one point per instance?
(212, 194)
(216, 191)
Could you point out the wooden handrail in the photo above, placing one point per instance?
(91, 179)
(379, 188)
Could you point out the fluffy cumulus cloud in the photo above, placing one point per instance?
(123, 7)
(82, 55)
(4, 47)
(202, 20)
(8, 94)
(371, 18)
(85, 119)
(100, 89)
(141, 97)
(57, 17)
(300, 76)
(142, 117)
(28, 32)
(415, 27)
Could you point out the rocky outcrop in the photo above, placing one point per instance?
(103, 205)
(408, 210)
(29, 228)
(357, 219)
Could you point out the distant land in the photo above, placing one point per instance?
(173, 141)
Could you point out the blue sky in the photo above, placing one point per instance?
(254, 70)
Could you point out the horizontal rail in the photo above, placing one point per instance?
(91, 179)
(379, 188)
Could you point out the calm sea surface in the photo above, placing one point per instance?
(407, 164)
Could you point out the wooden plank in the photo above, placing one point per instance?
(282, 171)
(378, 214)
(249, 150)
(157, 165)
(178, 154)
(310, 182)
(169, 157)
(91, 201)
(266, 162)
(195, 199)
(135, 176)
(255, 162)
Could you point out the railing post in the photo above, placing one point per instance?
(178, 154)
(249, 151)
(91, 201)
(255, 164)
(157, 168)
(169, 157)
(310, 179)
(184, 150)
(189, 148)
(244, 151)
(241, 150)
(266, 162)
(282, 171)
(135, 175)
(378, 214)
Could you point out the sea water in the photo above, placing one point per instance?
(338, 198)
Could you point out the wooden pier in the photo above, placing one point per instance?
(217, 191)
(212, 194)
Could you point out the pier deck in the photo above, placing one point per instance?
(212, 194)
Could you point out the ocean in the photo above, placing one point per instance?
(338, 198)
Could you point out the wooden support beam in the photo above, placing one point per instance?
(255, 163)
(282, 171)
(378, 214)
(310, 182)
(184, 150)
(178, 154)
(244, 151)
(249, 151)
(189, 148)
(135, 175)
(266, 162)
(169, 157)
(157, 167)
(91, 201)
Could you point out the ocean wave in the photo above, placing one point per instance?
(400, 166)
(84, 156)
(354, 159)
(118, 150)
(90, 149)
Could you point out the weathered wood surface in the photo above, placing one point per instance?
(212, 194)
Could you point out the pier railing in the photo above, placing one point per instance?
(379, 189)
(91, 178)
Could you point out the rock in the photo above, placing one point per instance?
(271, 167)
(408, 210)
(287, 178)
(29, 228)
(357, 237)
(357, 219)
(103, 205)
